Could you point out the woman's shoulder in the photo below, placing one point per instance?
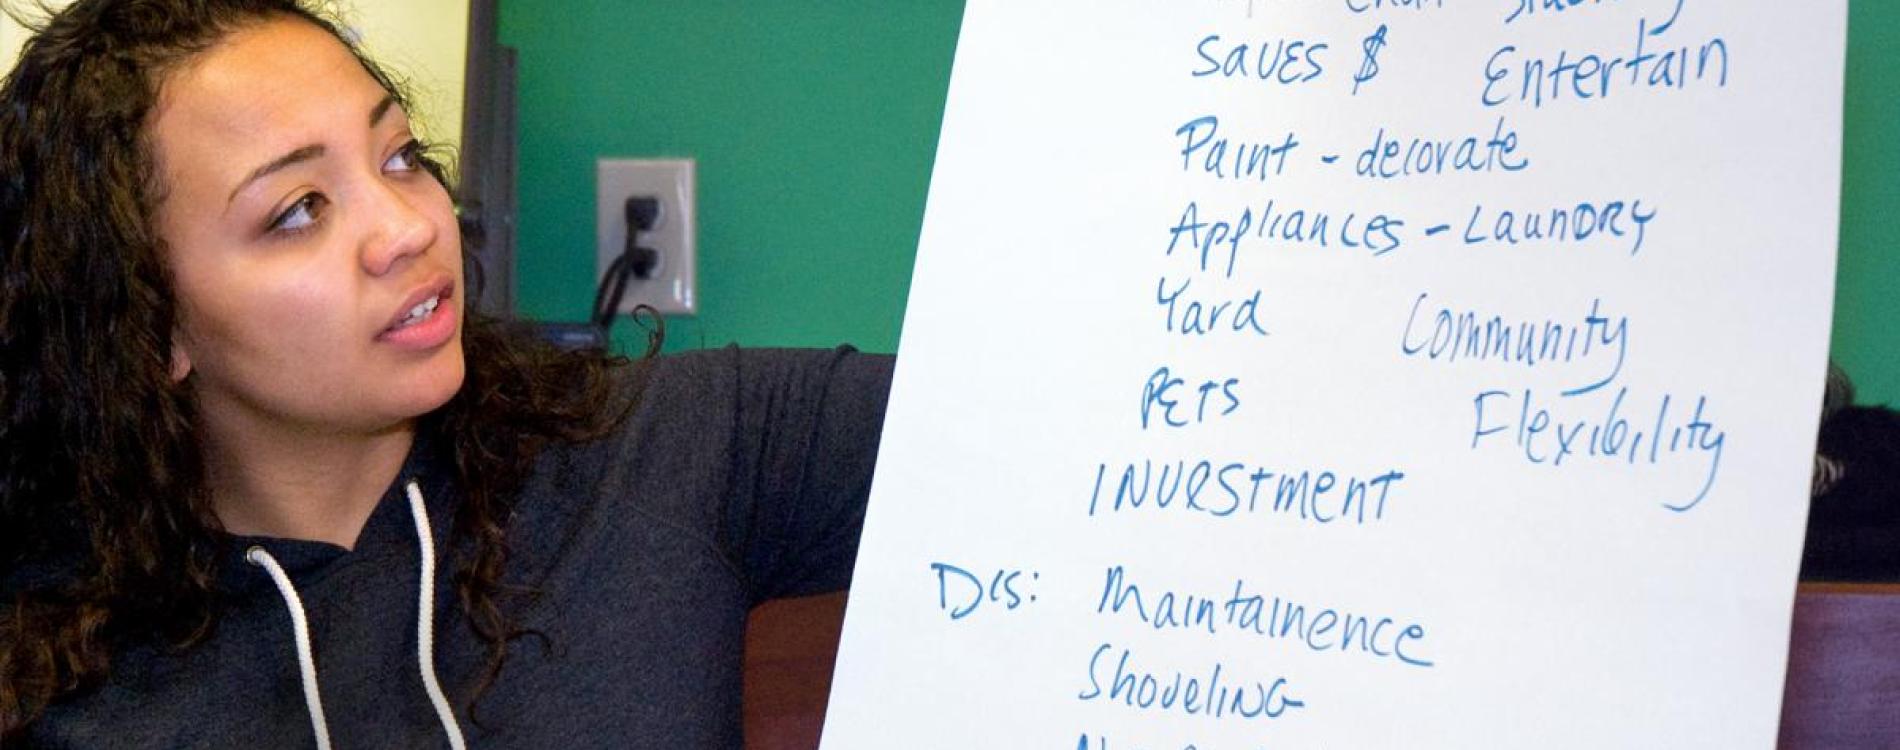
(719, 442)
(775, 365)
(752, 459)
(755, 388)
(717, 419)
(690, 408)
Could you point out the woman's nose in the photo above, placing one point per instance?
(398, 230)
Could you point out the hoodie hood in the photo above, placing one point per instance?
(312, 559)
(387, 533)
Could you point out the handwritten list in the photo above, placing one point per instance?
(1355, 374)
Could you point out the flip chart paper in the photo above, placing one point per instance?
(1355, 374)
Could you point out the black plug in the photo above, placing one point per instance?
(642, 213)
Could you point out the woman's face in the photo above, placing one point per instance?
(317, 266)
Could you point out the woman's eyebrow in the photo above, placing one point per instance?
(377, 112)
(306, 153)
(303, 154)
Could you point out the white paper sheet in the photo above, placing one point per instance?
(1355, 374)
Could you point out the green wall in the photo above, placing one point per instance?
(815, 123)
(1867, 298)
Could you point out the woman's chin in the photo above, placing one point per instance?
(441, 385)
(430, 387)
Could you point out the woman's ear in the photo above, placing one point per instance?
(180, 360)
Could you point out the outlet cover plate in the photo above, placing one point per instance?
(673, 289)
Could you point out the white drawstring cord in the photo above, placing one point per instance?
(425, 620)
(300, 630)
(425, 630)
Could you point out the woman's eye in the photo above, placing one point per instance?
(406, 159)
(300, 216)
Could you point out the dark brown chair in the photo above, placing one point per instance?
(790, 646)
(1843, 690)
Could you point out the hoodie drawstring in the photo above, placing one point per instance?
(425, 629)
(425, 619)
(300, 629)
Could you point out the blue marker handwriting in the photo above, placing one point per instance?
(1548, 433)
(1231, 160)
(1317, 628)
(1114, 677)
(1200, 315)
(1376, 233)
(1565, 223)
(1527, 9)
(1100, 742)
(1366, 6)
(1224, 489)
(1449, 335)
(960, 592)
(1274, 61)
(1397, 156)
(1163, 397)
(1514, 76)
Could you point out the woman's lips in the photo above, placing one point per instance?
(435, 327)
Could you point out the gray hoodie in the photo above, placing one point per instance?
(742, 476)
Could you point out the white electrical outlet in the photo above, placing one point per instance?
(672, 288)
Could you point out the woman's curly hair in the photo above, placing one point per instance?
(106, 526)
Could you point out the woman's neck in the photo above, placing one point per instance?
(268, 480)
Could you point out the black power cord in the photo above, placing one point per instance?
(635, 261)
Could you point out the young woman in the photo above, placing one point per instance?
(267, 481)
